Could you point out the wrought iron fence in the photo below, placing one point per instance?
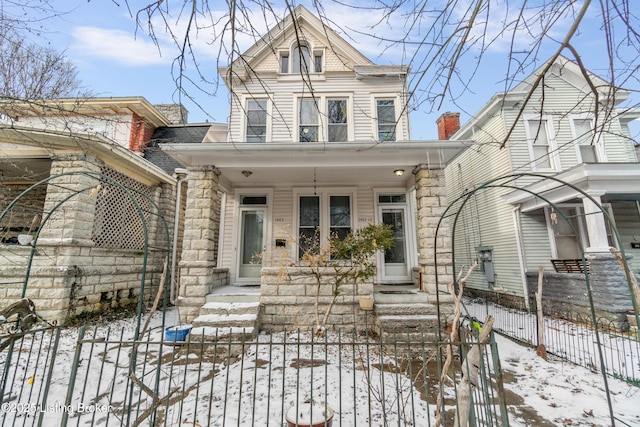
(571, 337)
(101, 376)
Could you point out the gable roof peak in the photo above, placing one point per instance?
(305, 25)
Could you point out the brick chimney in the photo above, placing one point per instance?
(448, 124)
(140, 135)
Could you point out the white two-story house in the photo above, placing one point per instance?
(514, 225)
(318, 142)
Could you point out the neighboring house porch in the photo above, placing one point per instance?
(89, 256)
(612, 185)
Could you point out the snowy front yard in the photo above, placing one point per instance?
(365, 384)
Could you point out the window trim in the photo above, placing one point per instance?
(600, 151)
(554, 158)
(245, 110)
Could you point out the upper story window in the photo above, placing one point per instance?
(301, 59)
(338, 128)
(323, 118)
(309, 120)
(587, 144)
(256, 120)
(386, 115)
(542, 145)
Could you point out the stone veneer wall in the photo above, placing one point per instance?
(287, 301)
(199, 273)
(69, 275)
(431, 203)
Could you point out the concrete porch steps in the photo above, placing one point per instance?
(405, 313)
(230, 313)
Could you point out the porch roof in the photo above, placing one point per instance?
(620, 180)
(329, 163)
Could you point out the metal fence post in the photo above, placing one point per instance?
(72, 377)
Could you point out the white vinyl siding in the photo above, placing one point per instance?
(536, 245)
(228, 244)
(283, 106)
(486, 219)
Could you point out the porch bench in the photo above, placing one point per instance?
(569, 265)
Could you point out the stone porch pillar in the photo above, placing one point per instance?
(608, 281)
(596, 227)
(197, 267)
(66, 237)
(72, 222)
(431, 202)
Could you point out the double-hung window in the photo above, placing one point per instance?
(323, 118)
(321, 216)
(584, 137)
(386, 115)
(309, 120)
(541, 144)
(256, 120)
(338, 128)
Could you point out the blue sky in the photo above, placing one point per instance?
(114, 58)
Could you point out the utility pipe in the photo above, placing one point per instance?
(181, 175)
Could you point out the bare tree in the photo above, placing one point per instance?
(445, 42)
(30, 71)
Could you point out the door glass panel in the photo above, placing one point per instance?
(309, 223)
(395, 219)
(251, 241)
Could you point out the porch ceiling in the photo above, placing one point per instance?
(596, 179)
(326, 164)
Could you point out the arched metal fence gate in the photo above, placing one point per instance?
(610, 347)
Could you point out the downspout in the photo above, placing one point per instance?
(520, 247)
(181, 175)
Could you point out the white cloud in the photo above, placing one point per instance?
(116, 45)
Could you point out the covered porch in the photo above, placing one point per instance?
(276, 192)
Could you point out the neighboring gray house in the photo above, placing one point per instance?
(558, 135)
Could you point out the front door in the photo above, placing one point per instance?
(396, 267)
(251, 245)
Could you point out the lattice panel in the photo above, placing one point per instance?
(117, 223)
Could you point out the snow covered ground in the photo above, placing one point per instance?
(258, 389)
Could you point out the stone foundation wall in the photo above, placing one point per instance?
(610, 290)
(98, 279)
(288, 301)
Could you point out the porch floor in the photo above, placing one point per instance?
(402, 288)
(236, 290)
